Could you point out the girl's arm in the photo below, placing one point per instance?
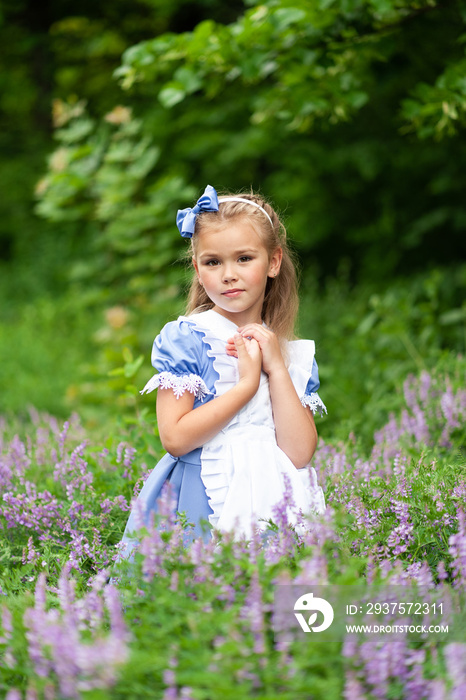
(182, 429)
(294, 424)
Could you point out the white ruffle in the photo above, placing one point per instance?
(179, 383)
(216, 330)
(315, 403)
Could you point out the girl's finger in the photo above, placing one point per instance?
(253, 327)
(239, 342)
(254, 344)
(247, 330)
(255, 333)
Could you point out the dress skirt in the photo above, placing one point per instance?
(187, 490)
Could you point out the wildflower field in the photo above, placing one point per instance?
(196, 622)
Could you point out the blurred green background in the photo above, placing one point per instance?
(348, 114)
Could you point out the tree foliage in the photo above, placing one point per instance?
(339, 111)
(98, 177)
(52, 52)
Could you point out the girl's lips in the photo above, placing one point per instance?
(232, 292)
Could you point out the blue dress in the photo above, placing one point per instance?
(223, 481)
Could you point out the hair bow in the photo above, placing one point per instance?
(186, 218)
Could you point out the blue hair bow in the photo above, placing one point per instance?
(186, 218)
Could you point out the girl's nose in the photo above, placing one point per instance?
(229, 275)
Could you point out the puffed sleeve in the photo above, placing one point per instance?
(177, 357)
(305, 374)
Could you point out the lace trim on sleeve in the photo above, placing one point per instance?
(186, 382)
(315, 403)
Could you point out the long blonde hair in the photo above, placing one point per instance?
(280, 305)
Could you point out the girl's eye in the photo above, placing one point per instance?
(244, 258)
(211, 263)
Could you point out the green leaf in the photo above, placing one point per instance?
(144, 164)
(78, 130)
(453, 316)
(131, 368)
(171, 95)
(286, 16)
(188, 78)
(127, 354)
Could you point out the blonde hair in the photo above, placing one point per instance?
(280, 306)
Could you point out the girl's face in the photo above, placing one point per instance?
(232, 265)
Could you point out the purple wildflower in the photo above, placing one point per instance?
(13, 694)
(54, 638)
(169, 678)
(457, 551)
(253, 610)
(62, 438)
(455, 656)
(354, 690)
(313, 569)
(30, 554)
(6, 624)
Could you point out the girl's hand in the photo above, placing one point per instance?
(249, 361)
(272, 358)
(183, 428)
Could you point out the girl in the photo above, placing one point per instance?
(236, 396)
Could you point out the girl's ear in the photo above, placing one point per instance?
(275, 262)
(194, 261)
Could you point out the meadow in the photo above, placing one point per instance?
(197, 622)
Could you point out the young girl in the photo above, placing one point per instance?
(236, 396)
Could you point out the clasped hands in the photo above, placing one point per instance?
(256, 348)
